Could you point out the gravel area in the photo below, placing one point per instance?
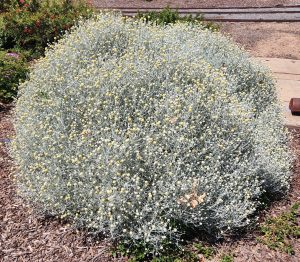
(191, 3)
(281, 40)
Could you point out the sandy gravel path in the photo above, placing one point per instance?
(280, 40)
(191, 3)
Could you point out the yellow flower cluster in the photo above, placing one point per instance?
(120, 118)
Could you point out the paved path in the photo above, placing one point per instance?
(287, 73)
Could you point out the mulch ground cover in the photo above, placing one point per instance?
(27, 236)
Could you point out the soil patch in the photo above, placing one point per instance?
(280, 40)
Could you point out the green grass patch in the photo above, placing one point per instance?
(227, 258)
(278, 232)
(139, 253)
(207, 252)
(170, 253)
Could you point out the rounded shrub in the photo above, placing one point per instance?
(138, 131)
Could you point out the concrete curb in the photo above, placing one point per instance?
(287, 74)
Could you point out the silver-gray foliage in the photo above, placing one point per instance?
(130, 129)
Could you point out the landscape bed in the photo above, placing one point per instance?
(90, 246)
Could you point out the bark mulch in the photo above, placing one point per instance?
(27, 236)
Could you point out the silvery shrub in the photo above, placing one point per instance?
(131, 130)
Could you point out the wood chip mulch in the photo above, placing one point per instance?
(27, 236)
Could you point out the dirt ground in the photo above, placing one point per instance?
(191, 3)
(27, 236)
(281, 40)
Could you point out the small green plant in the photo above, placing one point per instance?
(227, 258)
(137, 252)
(32, 25)
(13, 69)
(141, 252)
(170, 16)
(278, 231)
(207, 252)
(26, 28)
(1, 27)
